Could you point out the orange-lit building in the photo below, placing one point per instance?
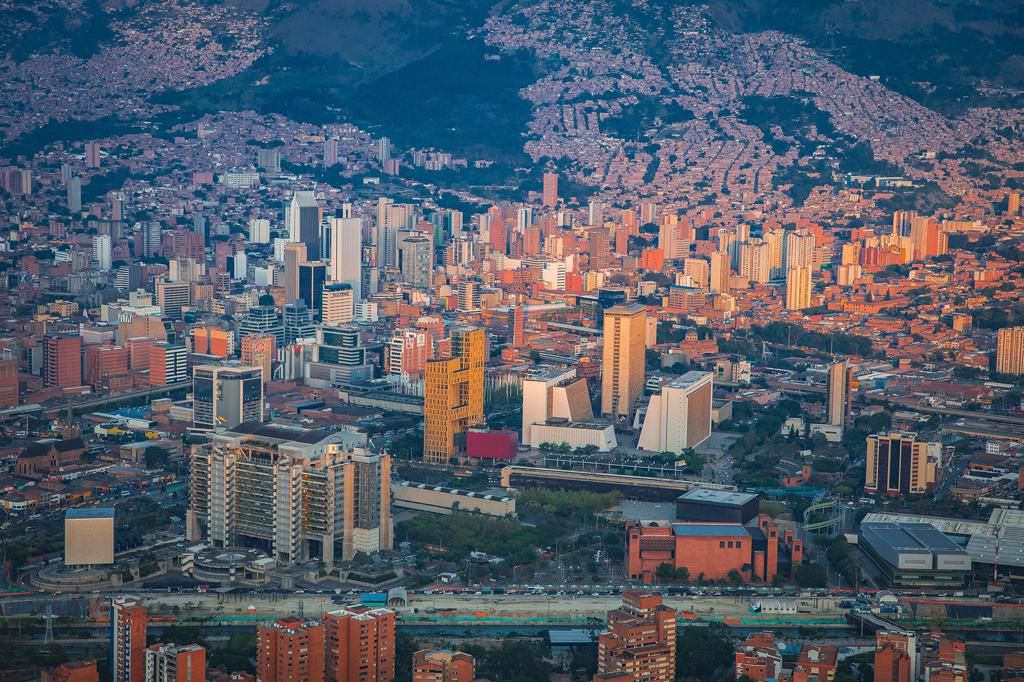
(290, 650)
(816, 662)
(758, 658)
(127, 639)
(259, 351)
(171, 663)
(9, 387)
(640, 639)
(168, 364)
(360, 645)
(213, 341)
(72, 671)
(711, 550)
(443, 665)
(62, 361)
(895, 657)
(102, 361)
(453, 397)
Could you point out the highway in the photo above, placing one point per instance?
(77, 405)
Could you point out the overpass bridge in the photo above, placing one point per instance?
(639, 487)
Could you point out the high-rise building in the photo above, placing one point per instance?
(294, 256)
(312, 277)
(299, 494)
(75, 194)
(408, 353)
(468, 295)
(262, 320)
(453, 397)
(172, 297)
(304, 223)
(168, 364)
(347, 253)
(89, 536)
(799, 250)
(840, 381)
(443, 665)
(383, 150)
(337, 304)
(719, 273)
(518, 326)
(698, 272)
(290, 650)
(213, 341)
(339, 358)
(259, 231)
(226, 396)
(10, 389)
(550, 190)
(360, 644)
(62, 361)
(553, 393)
(897, 464)
(269, 160)
(1010, 350)
(172, 663)
(599, 245)
(927, 238)
(330, 152)
(679, 417)
(640, 639)
(798, 288)
(259, 350)
(127, 639)
(415, 259)
(92, 154)
(101, 252)
(622, 366)
(298, 322)
(755, 261)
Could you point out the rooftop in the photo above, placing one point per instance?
(724, 497)
(913, 538)
(90, 513)
(710, 530)
(687, 380)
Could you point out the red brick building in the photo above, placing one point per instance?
(290, 650)
(640, 640)
(62, 361)
(360, 645)
(758, 658)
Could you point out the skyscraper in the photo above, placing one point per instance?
(304, 494)
(346, 253)
(290, 650)
(799, 250)
(454, 395)
(294, 256)
(679, 417)
(840, 376)
(337, 304)
(259, 231)
(101, 252)
(640, 639)
(1010, 350)
(298, 322)
(75, 194)
(172, 297)
(172, 663)
(92, 154)
(304, 223)
(360, 644)
(168, 364)
(550, 190)
(330, 152)
(127, 639)
(258, 350)
(262, 320)
(897, 464)
(312, 277)
(798, 288)
(62, 361)
(719, 275)
(226, 396)
(622, 366)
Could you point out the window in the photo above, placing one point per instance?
(739, 544)
(721, 544)
(730, 544)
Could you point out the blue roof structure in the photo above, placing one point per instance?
(90, 513)
(709, 530)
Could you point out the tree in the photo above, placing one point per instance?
(702, 653)
(156, 457)
(811, 575)
(665, 572)
(682, 574)
(735, 576)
